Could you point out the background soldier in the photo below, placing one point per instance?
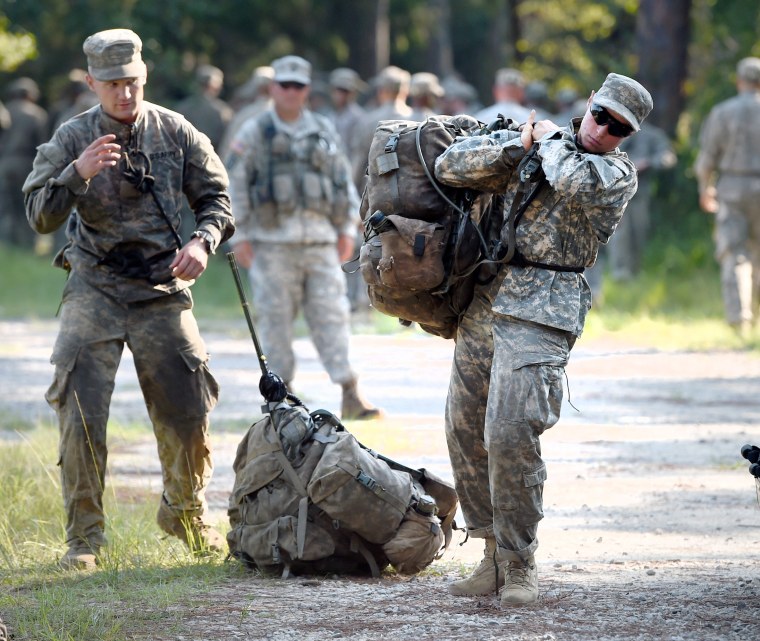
(28, 129)
(728, 171)
(289, 185)
(391, 91)
(118, 174)
(509, 95)
(204, 109)
(515, 339)
(650, 151)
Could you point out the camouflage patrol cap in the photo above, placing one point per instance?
(292, 69)
(207, 75)
(425, 84)
(392, 78)
(346, 79)
(626, 97)
(114, 54)
(509, 76)
(748, 70)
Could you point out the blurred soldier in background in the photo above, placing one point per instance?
(18, 147)
(537, 97)
(509, 95)
(345, 86)
(459, 97)
(204, 109)
(728, 171)
(251, 99)
(289, 184)
(391, 91)
(425, 93)
(650, 151)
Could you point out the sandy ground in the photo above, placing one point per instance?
(652, 527)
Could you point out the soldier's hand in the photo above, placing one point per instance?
(101, 153)
(708, 200)
(526, 131)
(243, 254)
(190, 262)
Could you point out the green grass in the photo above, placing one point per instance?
(141, 576)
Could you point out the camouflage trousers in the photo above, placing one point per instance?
(288, 278)
(179, 392)
(737, 251)
(505, 390)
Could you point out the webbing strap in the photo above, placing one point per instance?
(294, 479)
(373, 486)
(388, 164)
(358, 546)
(303, 507)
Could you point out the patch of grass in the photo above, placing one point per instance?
(142, 574)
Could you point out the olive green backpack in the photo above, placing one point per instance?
(309, 498)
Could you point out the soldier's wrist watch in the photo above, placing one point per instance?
(206, 237)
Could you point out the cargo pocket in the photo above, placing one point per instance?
(531, 503)
(544, 400)
(273, 543)
(203, 390)
(64, 358)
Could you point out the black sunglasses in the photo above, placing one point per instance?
(614, 127)
(292, 85)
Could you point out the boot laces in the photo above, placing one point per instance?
(520, 574)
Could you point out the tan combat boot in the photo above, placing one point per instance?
(521, 584)
(200, 538)
(354, 407)
(81, 555)
(486, 578)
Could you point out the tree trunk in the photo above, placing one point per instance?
(662, 38)
(441, 51)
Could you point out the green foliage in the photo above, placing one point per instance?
(16, 47)
(142, 574)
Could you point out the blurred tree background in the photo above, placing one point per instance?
(685, 51)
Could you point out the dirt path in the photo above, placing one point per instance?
(652, 527)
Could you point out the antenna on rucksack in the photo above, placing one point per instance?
(271, 386)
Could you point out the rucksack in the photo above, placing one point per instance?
(423, 241)
(309, 498)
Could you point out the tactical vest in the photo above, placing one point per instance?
(308, 173)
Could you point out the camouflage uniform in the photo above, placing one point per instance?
(730, 150)
(514, 340)
(289, 189)
(103, 308)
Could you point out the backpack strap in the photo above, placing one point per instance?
(357, 545)
(388, 164)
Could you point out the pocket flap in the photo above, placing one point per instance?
(535, 477)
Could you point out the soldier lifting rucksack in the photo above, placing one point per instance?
(423, 241)
(309, 498)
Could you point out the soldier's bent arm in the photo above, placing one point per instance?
(52, 187)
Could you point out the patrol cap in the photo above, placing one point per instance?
(24, 88)
(114, 54)
(392, 78)
(292, 69)
(626, 97)
(458, 89)
(346, 79)
(425, 84)
(509, 76)
(748, 70)
(209, 75)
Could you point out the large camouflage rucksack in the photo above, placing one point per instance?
(423, 240)
(308, 497)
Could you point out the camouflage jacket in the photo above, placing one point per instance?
(730, 147)
(580, 207)
(106, 214)
(289, 182)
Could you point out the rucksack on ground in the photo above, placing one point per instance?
(309, 498)
(423, 240)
